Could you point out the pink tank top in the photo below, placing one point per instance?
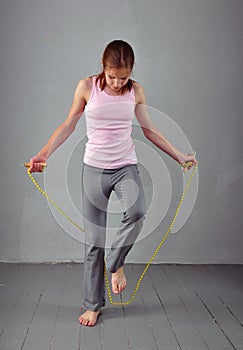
(109, 128)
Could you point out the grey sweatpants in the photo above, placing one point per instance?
(98, 185)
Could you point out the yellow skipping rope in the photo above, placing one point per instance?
(185, 167)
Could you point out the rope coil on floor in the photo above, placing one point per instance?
(185, 166)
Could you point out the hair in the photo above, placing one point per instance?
(117, 54)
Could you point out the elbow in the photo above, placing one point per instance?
(72, 128)
(69, 127)
(147, 133)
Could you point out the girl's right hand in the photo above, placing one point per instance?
(36, 164)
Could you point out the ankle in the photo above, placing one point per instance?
(118, 271)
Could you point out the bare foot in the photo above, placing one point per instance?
(89, 318)
(118, 281)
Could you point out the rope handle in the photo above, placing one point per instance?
(27, 165)
(186, 166)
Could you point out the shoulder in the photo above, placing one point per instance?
(84, 88)
(139, 93)
(85, 84)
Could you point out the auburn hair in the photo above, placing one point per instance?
(117, 54)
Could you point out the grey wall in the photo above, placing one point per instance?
(189, 61)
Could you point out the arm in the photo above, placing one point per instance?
(65, 129)
(153, 134)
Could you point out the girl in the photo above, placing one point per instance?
(109, 100)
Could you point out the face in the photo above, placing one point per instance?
(116, 78)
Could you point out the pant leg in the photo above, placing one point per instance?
(129, 189)
(96, 193)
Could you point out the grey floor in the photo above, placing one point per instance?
(177, 307)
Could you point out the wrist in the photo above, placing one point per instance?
(42, 154)
(180, 157)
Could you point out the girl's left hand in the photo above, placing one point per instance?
(188, 158)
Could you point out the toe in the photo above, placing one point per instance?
(115, 288)
(83, 321)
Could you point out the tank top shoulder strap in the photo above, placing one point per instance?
(132, 92)
(94, 87)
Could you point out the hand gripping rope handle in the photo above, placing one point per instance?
(185, 166)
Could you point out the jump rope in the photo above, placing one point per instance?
(185, 167)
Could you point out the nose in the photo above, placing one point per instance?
(117, 83)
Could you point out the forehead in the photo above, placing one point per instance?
(118, 72)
